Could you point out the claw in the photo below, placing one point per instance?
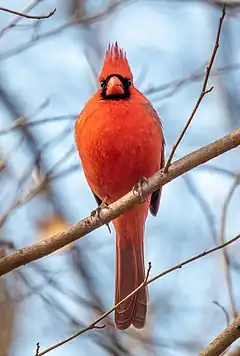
(97, 212)
(138, 188)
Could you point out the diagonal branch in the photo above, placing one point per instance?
(18, 18)
(29, 16)
(223, 309)
(225, 257)
(114, 5)
(145, 283)
(94, 324)
(203, 92)
(204, 206)
(223, 340)
(83, 227)
(41, 184)
(22, 122)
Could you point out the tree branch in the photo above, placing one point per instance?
(225, 257)
(223, 340)
(28, 16)
(83, 227)
(22, 122)
(225, 312)
(145, 283)
(204, 90)
(114, 5)
(94, 324)
(18, 18)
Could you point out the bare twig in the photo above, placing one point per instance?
(224, 254)
(83, 227)
(221, 170)
(64, 172)
(203, 92)
(94, 324)
(145, 283)
(31, 193)
(73, 21)
(223, 340)
(197, 257)
(204, 206)
(22, 122)
(37, 349)
(223, 310)
(26, 197)
(14, 21)
(28, 16)
(197, 75)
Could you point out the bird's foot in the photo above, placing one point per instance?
(97, 212)
(138, 188)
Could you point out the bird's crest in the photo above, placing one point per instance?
(115, 62)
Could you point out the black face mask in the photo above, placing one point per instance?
(126, 83)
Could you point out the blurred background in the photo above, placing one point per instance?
(48, 69)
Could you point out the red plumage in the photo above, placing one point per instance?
(120, 140)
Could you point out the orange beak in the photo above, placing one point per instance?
(114, 86)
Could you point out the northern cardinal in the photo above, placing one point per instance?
(120, 140)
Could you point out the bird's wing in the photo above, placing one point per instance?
(98, 200)
(155, 197)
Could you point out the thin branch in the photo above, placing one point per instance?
(225, 258)
(64, 172)
(18, 18)
(29, 16)
(145, 283)
(20, 122)
(73, 21)
(37, 349)
(203, 204)
(25, 198)
(32, 169)
(221, 170)
(23, 122)
(83, 227)
(197, 75)
(94, 324)
(225, 312)
(31, 193)
(197, 257)
(203, 92)
(223, 340)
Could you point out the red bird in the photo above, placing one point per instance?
(120, 140)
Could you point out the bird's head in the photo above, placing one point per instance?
(116, 77)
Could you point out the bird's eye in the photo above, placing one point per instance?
(103, 83)
(129, 82)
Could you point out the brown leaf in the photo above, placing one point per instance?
(52, 226)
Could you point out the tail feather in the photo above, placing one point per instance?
(142, 296)
(130, 274)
